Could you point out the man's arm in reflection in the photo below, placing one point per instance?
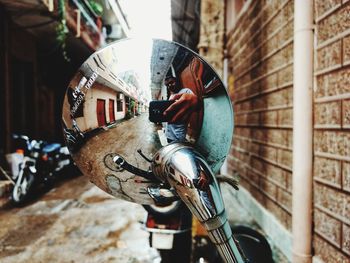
(185, 104)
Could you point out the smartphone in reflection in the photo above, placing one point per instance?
(156, 109)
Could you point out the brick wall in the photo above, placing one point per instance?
(331, 131)
(260, 49)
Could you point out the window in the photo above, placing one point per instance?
(120, 102)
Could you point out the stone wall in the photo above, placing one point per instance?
(260, 50)
(331, 131)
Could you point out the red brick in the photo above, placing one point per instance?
(335, 83)
(268, 188)
(268, 118)
(255, 192)
(346, 203)
(285, 158)
(346, 139)
(259, 103)
(330, 199)
(258, 164)
(276, 174)
(328, 170)
(268, 47)
(259, 135)
(289, 179)
(346, 239)
(269, 82)
(327, 252)
(329, 56)
(247, 119)
(253, 119)
(346, 50)
(285, 75)
(269, 153)
(277, 136)
(346, 176)
(323, 6)
(274, 24)
(244, 132)
(245, 183)
(284, 199)
(328, 114)
(328, 227)
(285, 117)
(334, 24)
(254, 178)
(289, 138)
(246, 106)
(254, 148)
(346, 114)
(332, 142)
(240, 143)
(288, 11)
(242, 80)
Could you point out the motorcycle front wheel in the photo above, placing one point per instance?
(21, 190)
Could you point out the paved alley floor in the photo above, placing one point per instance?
(75, 222)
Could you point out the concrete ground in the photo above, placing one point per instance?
(78, 222)
(239, 215)
(75, 222)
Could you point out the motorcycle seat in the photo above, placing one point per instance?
(51, 147)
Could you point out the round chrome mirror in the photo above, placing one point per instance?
(133, 97)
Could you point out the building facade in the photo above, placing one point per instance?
(259, 49)
(43, 43)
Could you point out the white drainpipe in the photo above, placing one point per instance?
(224, 167)
(302, 131)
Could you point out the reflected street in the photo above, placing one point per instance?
(137, 133)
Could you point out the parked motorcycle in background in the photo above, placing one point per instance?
(35, 163)
(179, 237)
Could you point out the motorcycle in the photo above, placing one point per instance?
(170, 229)
(178, 237)
(74, 137)
(39, 164)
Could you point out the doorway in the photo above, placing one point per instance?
(101, 112)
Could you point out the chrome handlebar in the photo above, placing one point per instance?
(187, 172)
(179, 171)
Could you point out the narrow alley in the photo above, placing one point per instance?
(75, 222)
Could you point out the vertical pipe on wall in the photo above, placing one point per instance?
(224, 167)
(302, 131)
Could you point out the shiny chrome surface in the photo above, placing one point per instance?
(106, 112)
(107, 126)
(188, 173)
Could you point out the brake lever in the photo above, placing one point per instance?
(122, 164)
(144, 156)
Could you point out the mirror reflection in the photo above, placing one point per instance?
(132, 98)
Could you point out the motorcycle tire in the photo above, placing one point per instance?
(49, 181)
(205, 251)
(181, 251)
(18, 197)
(254, 245)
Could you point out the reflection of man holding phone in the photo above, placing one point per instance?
(180, 111)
